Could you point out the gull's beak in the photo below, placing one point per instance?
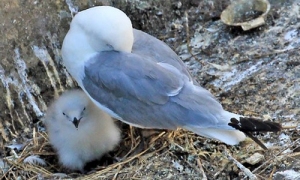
(76, 122)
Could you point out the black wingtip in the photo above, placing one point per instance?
(248, 124)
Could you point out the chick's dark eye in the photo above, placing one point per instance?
(83, 109)
(64, 114)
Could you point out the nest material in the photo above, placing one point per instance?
(166, 154)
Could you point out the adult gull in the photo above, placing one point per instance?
(139, 80)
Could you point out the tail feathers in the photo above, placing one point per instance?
(244, 125)
(230, 137)
(250, 125)
(247, 124)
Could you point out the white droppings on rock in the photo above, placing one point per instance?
(69, 80)
(225, 67)
(42, 54)
(73, 9)
(290, 35)
(17, 147)
(287, 175)
(26, 88)
(284, 139)
(177, 166)
(20, 97)
(6, 80)
(34, 160)
(229, 79)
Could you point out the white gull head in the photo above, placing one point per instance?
(94, 30)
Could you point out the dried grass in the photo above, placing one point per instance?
(200, 158)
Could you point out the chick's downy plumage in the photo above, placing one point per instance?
(95, 134)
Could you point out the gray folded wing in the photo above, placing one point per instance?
(146, 93)
(149, 46)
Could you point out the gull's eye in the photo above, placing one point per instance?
(65, 115)
(82, 111)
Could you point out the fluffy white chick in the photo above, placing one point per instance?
(78, 130)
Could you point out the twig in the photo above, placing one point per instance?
(131, 150)
(222, 169)
(201, 170)
(204, 177)
(274, 169)
(246, 171)
(275, 156)
(116, 174)
(108, 168)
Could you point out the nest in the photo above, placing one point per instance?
(149, 154)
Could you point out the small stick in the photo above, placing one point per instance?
(268, 161)
(201, 170)
(204, 177)
(116, 174)
(246, 171)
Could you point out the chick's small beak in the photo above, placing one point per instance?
(76, 122)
